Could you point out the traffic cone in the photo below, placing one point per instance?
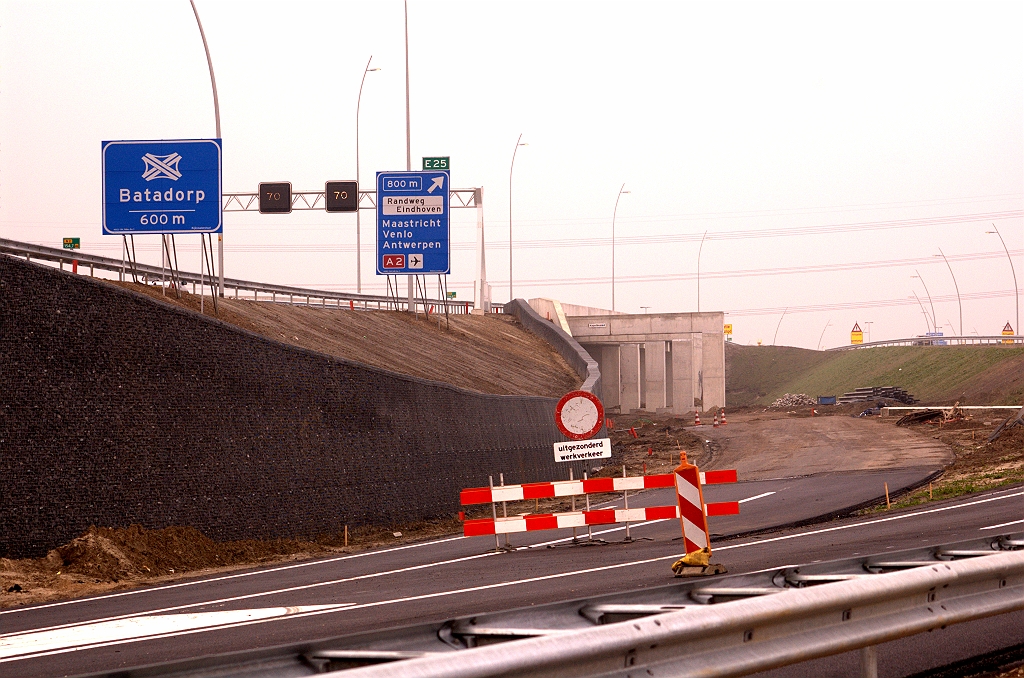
(715, 425)
(696, 418)
(724, 422)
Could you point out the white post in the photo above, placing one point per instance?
(869, 662)
(163, 258)
(482, 299)
(202, 273)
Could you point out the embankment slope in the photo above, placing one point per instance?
(990, 375)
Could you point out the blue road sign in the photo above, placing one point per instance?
(412, 223)
(162, 186)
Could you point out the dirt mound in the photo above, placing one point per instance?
(104, 559)
(113, 554)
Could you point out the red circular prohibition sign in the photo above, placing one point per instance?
(579, 415)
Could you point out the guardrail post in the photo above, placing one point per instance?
(504, 510)
(869, 662)
(494, 514)
(625, 503)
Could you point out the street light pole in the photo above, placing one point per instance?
(614, 213)
(510, 168)
(918, 276)
(927, 327)
(779, 325)
(216, 116)
(957, 287)
(1016, 294)
(408, 133)
(701, 249)
(359, 101)
(827, 325)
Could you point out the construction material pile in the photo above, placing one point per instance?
(877, 392)
(793, 400)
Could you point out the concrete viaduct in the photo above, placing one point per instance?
(656, 362)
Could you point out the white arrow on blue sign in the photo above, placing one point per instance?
(169, 186)
(412, 223)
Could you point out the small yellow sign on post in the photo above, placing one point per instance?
(728, 328)
(1008, 332)
(856, 336)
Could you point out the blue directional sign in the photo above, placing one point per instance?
(412, 223)
(162, 186)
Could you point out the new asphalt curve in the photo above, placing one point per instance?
(459, 576)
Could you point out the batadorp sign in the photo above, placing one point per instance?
(162, 186)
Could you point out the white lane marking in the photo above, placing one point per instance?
(196, 582)
(377, 603)
(756, 496)
(141, 628)
(992, 527)
(872, 522)
(484, 587)
(220, 601)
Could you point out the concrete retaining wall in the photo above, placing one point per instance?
(117, 409)
(561, 341)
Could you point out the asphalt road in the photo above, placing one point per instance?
(459, 576)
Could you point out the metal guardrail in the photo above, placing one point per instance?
(937, 341)
(720, 626)
(269, 292)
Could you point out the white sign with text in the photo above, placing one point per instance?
(579, 450)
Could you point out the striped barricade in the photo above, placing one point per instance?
(568, 488)
(576, 519)
(555, 521)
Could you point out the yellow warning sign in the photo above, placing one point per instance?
(1008, 331)
(856, 335)
(728, 328)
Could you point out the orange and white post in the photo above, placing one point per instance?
(690, 495)
(693, 513)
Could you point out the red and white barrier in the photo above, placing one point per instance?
(568, 488)
(588, 518)
(555, 521)
(696, 418)
(691, 514)
(724, 422)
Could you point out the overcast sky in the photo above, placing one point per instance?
(829, 150)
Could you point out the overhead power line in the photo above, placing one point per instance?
(854, 305)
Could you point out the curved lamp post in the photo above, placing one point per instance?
(957, 287)
(827, 325)
(927, 326)
(1016, 294)
(216, 117)
(519, 142)
(918, 276)
(359, 101)
(780, 325)
(614, 213)
(701, 249)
